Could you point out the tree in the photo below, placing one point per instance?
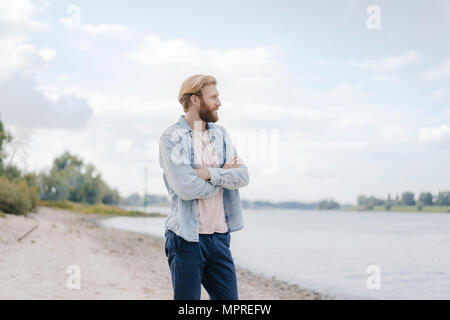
(443, 198)
(110, 196)
(408, 199)
(362, 200)
(388, 203)
(64, 179)
(66, 162)
(132, 200)
(71, 179)
(369, 202)
(5, 138)
(426, 198)
(328, 205)
(12, 172)
(53, 186)
(92, 186)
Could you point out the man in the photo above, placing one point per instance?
(202, 174)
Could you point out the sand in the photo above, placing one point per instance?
(113, 264)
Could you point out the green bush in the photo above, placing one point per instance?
(58, 204)
(17, 198)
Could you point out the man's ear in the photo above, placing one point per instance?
(193, 99)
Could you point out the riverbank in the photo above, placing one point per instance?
(114, 264)
(435, 209)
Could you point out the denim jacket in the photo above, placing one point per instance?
(176, 158)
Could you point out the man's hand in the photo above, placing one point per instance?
(233, 163)
(203, 173)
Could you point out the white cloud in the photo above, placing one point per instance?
(388, 63)
(434, 133)
(38, 25)
(21, 12)
(179, 54)
(47, 54)
(104, 29)
(17, 54)
(111, 103)
(24, 104)
(73, 22)
(22, 101)
(439, 72)
(16, 11)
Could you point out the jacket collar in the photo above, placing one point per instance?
(183, 123)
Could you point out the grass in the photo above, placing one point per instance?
(100, 209)
(442, 209)
(2, 214)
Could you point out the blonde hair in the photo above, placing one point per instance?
(193, 86)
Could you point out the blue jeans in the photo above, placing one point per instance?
(207, 262)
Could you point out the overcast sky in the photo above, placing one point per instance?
(348, 109)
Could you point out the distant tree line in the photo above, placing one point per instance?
(68, 179)
(328, 205)
(407, 198)
(71, 179)
(135, 200)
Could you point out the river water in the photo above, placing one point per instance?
(367, 255)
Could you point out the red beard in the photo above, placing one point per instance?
(206, 114)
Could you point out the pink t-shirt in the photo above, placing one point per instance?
(211, 212)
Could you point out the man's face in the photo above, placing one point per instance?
(209, 104)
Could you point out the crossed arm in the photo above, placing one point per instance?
(232, 175)
(189, 183)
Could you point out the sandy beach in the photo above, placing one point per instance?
(114, 264)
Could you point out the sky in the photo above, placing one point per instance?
(323, 99)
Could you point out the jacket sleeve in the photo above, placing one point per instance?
(179, 173)
(233, 178)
